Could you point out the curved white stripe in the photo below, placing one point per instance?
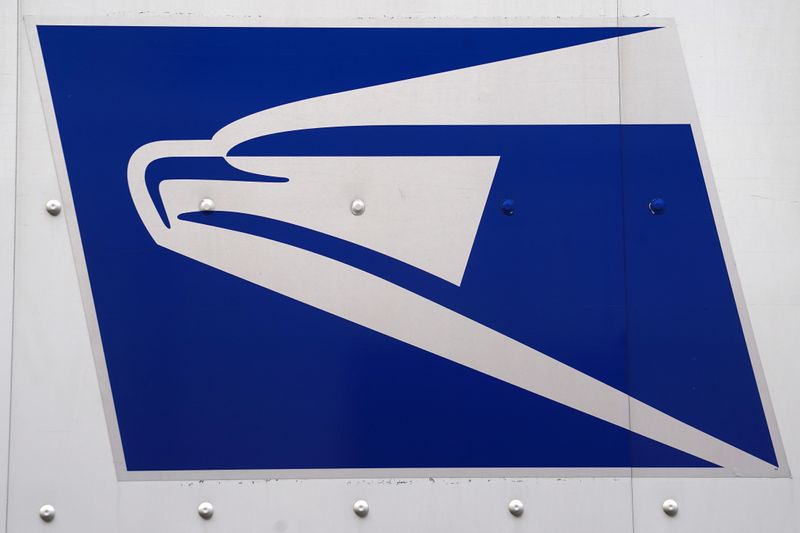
(575, 85)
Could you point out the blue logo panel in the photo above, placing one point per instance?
(581, 270)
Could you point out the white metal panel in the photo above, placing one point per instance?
(60, 449)
(743, 69)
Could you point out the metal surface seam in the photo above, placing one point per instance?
(624, 263)
(15, 141)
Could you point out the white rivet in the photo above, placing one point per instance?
(205, 510)
(358, 207)
(53, 207)
(670, 507)
(207, 204)
(361, 508)
(47, 513)
(516, 507)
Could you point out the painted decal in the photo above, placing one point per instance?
(509, 300)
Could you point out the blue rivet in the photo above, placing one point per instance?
(508, 207)
(657, 206)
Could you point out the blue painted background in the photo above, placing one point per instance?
(211, 372)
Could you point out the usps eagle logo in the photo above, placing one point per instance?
(421, 251)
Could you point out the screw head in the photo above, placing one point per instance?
(361, 508)
(207, 205)
(670, 507)
(47, 513)
(53, 207)
(358, 206)
(657, 206)
(508, 207)
(205, 510)
(516, 508)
